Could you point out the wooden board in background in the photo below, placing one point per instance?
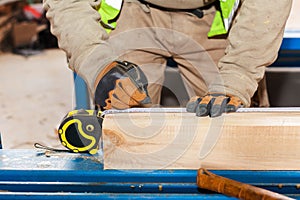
(238, 141)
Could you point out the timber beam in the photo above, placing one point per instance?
(180, 140)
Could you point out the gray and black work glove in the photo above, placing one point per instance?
(121, 85)
(213, 105)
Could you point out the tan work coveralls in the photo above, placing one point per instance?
(147, 35)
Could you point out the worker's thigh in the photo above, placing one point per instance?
(196, 54)
(146, 36)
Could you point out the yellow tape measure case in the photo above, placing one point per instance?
(80, 131)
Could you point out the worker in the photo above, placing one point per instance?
(121, 52)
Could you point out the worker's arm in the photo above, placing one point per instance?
(254, 41)
(76, 24)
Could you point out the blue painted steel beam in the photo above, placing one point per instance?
(290, 44)
(114, 176)
(286, 182)
(97, 196)
(32, 174)
(289, 53)
(287, 58)
(82, 98)
(140, 187)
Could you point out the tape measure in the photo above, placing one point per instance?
(80, 131)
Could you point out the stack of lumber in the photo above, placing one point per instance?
(9, 10)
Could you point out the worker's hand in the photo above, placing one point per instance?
(121, 85)
(213, 105)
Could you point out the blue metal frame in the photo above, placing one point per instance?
(82, 97)
(290, 44)
(35, 174)
(82, 176)
(289, 54)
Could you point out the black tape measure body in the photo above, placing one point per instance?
(80, 131)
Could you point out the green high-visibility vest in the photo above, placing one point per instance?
(223, 17)
(110, 9)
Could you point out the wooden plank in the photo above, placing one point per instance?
(237, 141)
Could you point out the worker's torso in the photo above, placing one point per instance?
(180, 4)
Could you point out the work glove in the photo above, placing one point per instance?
(213, 105)
(121, 85)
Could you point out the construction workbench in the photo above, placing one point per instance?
(38, 174)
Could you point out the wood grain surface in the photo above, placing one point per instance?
(238, 141)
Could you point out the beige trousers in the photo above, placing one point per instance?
(151, 36)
